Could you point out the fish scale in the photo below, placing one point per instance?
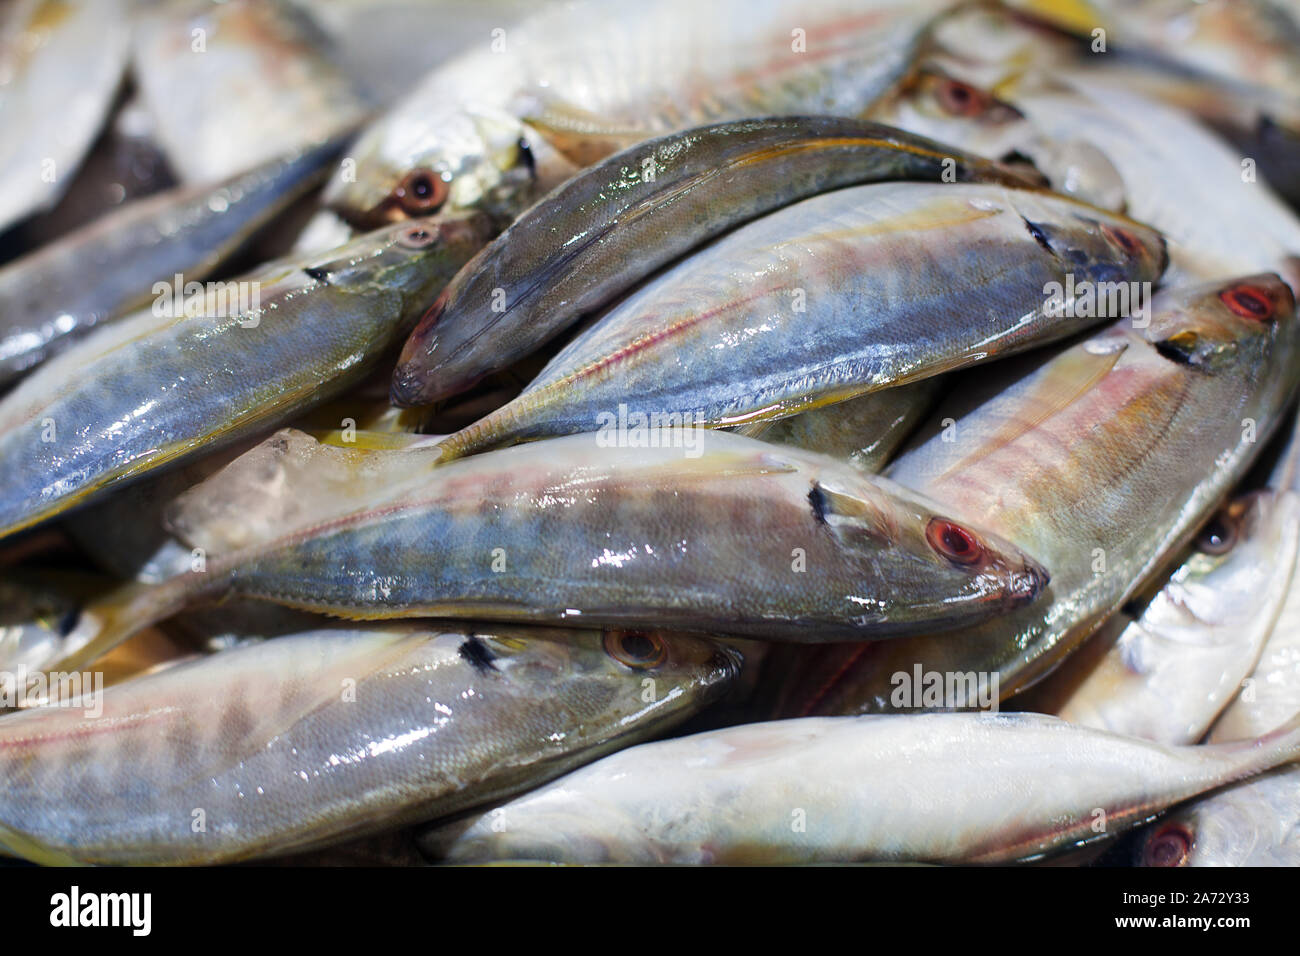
(719, 339)
(151, 389)
(278, 755)
(1131, 424)
(574, 529)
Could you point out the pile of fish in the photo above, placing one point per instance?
(650, 431)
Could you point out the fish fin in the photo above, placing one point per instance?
(580, 136)
(107, 622)
(1246, 758)
(373, 441)
(754, 429)
(1062, 382)
(28, 848)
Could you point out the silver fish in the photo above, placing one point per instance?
(830, 298)
(949, 788)
(577, 529)
(164, 383)
(59, 292)
(333, 733)
(50, 112)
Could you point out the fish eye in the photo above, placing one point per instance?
(1123, 238)
(953, 541)
(1248, 301)
(417, 237)
(1219, 536)
(636, 649)
(421, 191)
(1169, 846)
(962, 99)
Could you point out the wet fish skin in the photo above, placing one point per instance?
(947, 788)
(334, 733)
(833, 297)
(621, 536)
(1254, 823)
(59, 292)
(150, 390)
(50, 114)
(1176, 666)
(865, 431)
(1076, 456)
(237, 83)
(510, 119)
(598, 234)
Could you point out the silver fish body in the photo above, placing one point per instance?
(333, 733)
(182, 376)
(514, 116)
(597, 235)
(579, 529)
(1077, 456)
(59, 292)
(833, 297)
(948, 788)
(50, 113)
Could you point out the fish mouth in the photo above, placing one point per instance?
(1026, 583)
(410, 385)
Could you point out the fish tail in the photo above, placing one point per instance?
(106, 623)
(477, 436)
(1273, 749)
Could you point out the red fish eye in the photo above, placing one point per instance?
(953, 541)
(962, 99)
(1122, 238)
(1248, 301)
(1169, 846)
(420, 191)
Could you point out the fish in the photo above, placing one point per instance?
(1251, 43)
(866, 431)
(233, 84)
(185, 376)
(1102, 459)
(531, 104)
(333, 733)
(1257, 822)
(827, 299)
(1168, 672)
(56, 294)
(934, 788)
(992, 84)
(38, 608)
(1179, 178)
(596, 236)
(50, 114)
(613, 534)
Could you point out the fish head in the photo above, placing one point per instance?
(414, 258)
(614, 677)
(951, 572)
(932, 102)
(1219, 325)
(408, 167)
(1109, 259)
